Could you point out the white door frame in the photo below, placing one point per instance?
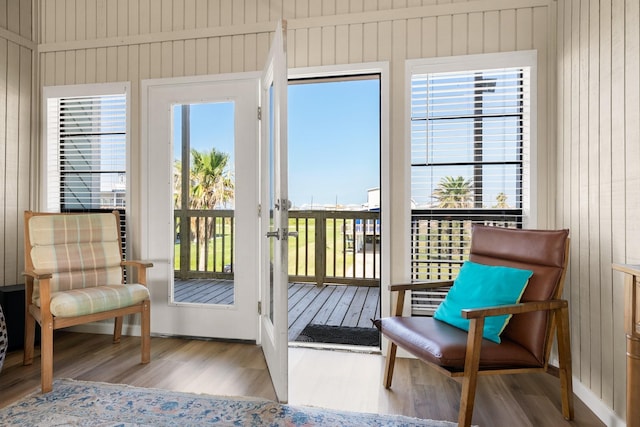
(381, 68)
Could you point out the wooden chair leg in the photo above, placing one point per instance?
(29, 338)
(145, 332)
(470, 379)
(46, 356)
(389, 364)
(564, 356)
(117, 329)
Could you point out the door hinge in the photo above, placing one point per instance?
(259, 209)
(259, 308)
(259, 113)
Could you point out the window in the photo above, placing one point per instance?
(470, 159)
(86, 149)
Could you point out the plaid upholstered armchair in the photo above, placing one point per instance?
(74, 275)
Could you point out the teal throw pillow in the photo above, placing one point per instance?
(479, 285)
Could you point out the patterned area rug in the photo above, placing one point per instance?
(79, 403)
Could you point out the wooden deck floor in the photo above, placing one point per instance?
(335, 305)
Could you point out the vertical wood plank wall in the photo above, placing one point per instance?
(587, 118)
(598, 122)
(90, 41)
(16, 130)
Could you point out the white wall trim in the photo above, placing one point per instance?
(17, 39)
(386, 15)
(597, 406)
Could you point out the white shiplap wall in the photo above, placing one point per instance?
(598, 179)
(16, 53)
(585, 50)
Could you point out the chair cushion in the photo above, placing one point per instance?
(79, 250)
(442, 344)
(52, 230)
(480, 285)
(78, 302)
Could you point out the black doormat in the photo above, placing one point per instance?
(340, 335)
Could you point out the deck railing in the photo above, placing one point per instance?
(331, 247)
(204, 247)
(440, 243)
(335, 246)
(440, 238)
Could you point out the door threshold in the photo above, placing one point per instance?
(336, 347)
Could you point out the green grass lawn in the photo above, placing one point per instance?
(303, 247)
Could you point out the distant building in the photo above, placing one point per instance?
(373, 198)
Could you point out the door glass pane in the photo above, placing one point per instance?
(204, 203)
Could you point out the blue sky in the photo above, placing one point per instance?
(334, 142)
(334, 139)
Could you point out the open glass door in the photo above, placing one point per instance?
(274, 214)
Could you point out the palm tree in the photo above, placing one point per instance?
(501, 201)
(212, 186)
(454, 193)
(211, 180)
(177, 184)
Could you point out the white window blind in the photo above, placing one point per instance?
(469, 131)
(86, 165)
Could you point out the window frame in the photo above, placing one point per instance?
(99, 89)
(470, 63)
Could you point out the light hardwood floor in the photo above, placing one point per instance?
(323, 378)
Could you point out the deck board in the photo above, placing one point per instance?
(352, 316)
(340, 311)
(335, 305)
(329, 304)
(370, 309)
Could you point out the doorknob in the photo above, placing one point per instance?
(275, 234)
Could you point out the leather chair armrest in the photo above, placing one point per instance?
(402, 288)
(525, 307)
(420, 285)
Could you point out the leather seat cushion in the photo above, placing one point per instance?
(442, 344)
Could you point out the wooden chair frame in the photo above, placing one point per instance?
(559, 312)
(49, 323)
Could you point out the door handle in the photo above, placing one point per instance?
(275, 234)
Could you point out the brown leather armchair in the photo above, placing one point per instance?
(526, 341)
